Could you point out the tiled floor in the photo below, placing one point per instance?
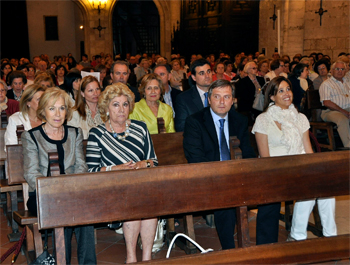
(110, 247)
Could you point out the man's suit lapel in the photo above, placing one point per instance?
(210, 126)
(197, 99)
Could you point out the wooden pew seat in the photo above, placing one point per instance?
(306, 251)
(24, 217)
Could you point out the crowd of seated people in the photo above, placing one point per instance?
(130, 93)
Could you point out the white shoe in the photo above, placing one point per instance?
(119, 231)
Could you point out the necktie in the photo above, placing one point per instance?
(224, 151)
(206, 99)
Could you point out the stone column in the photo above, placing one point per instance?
(293, 27)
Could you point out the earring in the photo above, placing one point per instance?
(28, 106)
(107, 113)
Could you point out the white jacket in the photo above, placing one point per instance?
(14, 120)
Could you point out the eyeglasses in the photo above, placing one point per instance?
(321, 68)
(339, 69)
(281, 65)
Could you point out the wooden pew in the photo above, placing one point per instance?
(168, 148)
(199, 187)
(4, 119)
(11, 190)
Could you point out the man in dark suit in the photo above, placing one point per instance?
(194, 99)
(206, 137)
(120, 73)
(170, 93)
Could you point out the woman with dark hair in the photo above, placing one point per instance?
(229, 68)
(86, 113)
(280, 130)
(71, 62)
(72, 85)
(6, 70)
(219, 69)
(9, 105)
(60, 72)
(322, 68)
(300, 83)
(263, 67)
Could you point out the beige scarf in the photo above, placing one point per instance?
(3, 105)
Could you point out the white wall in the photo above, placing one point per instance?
(65, 10)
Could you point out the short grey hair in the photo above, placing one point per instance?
(247, 66)
(339, 61)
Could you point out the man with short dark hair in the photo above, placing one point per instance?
(84, 61)
(170, 93)
(335, 95)
(17, 80)
(196, 98)
(206, 138)
(97, 61)
(120, 73)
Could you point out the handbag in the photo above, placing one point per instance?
(258, 103)
(45, 258)
(158, 242)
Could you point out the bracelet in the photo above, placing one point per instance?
(109, 168)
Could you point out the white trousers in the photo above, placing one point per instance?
(301, 214)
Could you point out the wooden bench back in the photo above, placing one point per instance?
(313, 99)
(4, 119)
(2, 151)
(168, 148)
(189, 188)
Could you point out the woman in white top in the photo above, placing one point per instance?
(281, 130)
(27, 114)
(86, 114)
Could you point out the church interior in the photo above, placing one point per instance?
(121, 28)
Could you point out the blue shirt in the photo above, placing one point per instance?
(216, 119)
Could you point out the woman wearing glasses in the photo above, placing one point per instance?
(246, 88)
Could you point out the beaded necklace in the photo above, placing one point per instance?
(115, 135)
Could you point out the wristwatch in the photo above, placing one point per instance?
(148, 163)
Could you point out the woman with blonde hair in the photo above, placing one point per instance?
(44, 80)
(176, 74)
(151, 107)
(119, 144)
(55, 108)
(86, 113)
(27, 115)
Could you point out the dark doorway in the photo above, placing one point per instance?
(14, 30)
(136, 28)
(213, 26)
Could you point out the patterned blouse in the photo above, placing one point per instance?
(104, 150)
